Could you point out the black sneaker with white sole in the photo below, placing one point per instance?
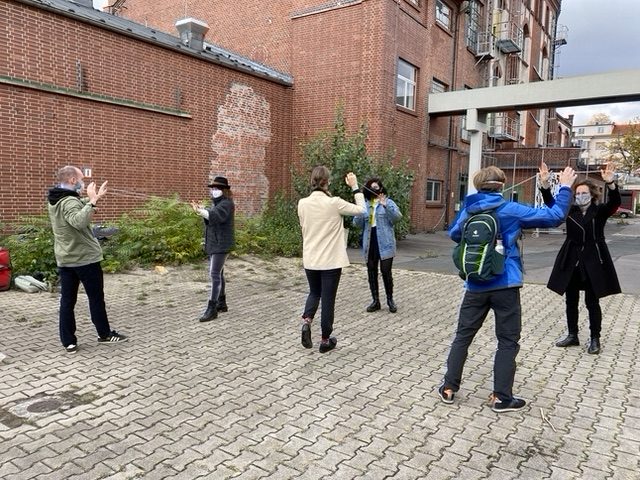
(71, 348)
(114, 337)
(514, 405)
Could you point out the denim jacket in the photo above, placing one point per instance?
(385, 218)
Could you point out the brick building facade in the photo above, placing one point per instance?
(353, 52)
(379, 59)
(85, 88)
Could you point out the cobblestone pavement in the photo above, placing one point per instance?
(240, 398)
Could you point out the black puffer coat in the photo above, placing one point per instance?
(585, 247)
(218, 230)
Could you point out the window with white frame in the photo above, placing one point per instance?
(434, 191)
(600, 129)
(581, 131)
(406, 85)
(443, 14)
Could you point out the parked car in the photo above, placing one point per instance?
(623, 213)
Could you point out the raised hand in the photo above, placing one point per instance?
(567, 177)
(93, 195)
(608, 173)
(545, 174)
(351, 180)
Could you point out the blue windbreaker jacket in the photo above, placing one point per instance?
(513, 218)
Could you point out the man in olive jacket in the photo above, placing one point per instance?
(78, 255)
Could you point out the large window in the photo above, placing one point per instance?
(434, 191)
(406, 85)
(473, 26)
(443, 14)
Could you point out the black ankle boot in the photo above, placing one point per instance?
(392, 305)
(594, 346)
(222, 303)
(569, 341)
(211, 312)
(375, 305)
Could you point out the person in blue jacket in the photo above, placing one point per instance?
(502, 293)
(379, 240)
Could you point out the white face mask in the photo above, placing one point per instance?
(583, 199)
(215, 193)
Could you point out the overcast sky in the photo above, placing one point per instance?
(603, 36)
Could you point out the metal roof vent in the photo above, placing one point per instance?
(192, 32)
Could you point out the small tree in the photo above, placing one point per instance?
(599, 119)
(625, 148)
(342, 153)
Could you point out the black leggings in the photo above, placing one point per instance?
(323, 285)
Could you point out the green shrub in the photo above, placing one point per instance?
(165, 231)
(343, 153)
(31, 248)
(274, 233)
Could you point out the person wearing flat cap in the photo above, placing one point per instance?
(218, 241)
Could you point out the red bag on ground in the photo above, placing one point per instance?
(5, 269)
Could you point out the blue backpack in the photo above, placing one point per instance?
(479, 256)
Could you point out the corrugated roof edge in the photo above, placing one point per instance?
(211, 53)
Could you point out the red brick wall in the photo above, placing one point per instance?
(138, 151)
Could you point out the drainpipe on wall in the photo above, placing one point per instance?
(192, 32)
(454, 71)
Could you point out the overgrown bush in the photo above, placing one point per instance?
(274, 233)
(31, 248)
(343, 153)
(165, 231)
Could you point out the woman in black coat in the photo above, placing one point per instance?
(218, 242)
(584, 262)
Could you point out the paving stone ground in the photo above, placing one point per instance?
(240, 398)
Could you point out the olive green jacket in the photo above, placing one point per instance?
(74, 243)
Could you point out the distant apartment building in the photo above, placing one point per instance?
(380, 60)
(594, 141)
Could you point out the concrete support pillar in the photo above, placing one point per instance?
(476, 125)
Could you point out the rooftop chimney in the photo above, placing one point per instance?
(192, 32)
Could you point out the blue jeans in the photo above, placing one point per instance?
(475, 306)
(323, 285)
(93, 283)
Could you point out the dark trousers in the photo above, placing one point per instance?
(216, 272)
(323, 285)
(505, 304)
(93, 283)
(572, 297)
(372, 268)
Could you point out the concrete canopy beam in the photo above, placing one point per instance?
(613, 87)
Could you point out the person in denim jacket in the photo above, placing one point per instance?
(378, 240)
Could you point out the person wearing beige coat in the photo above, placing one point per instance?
(324, 250)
